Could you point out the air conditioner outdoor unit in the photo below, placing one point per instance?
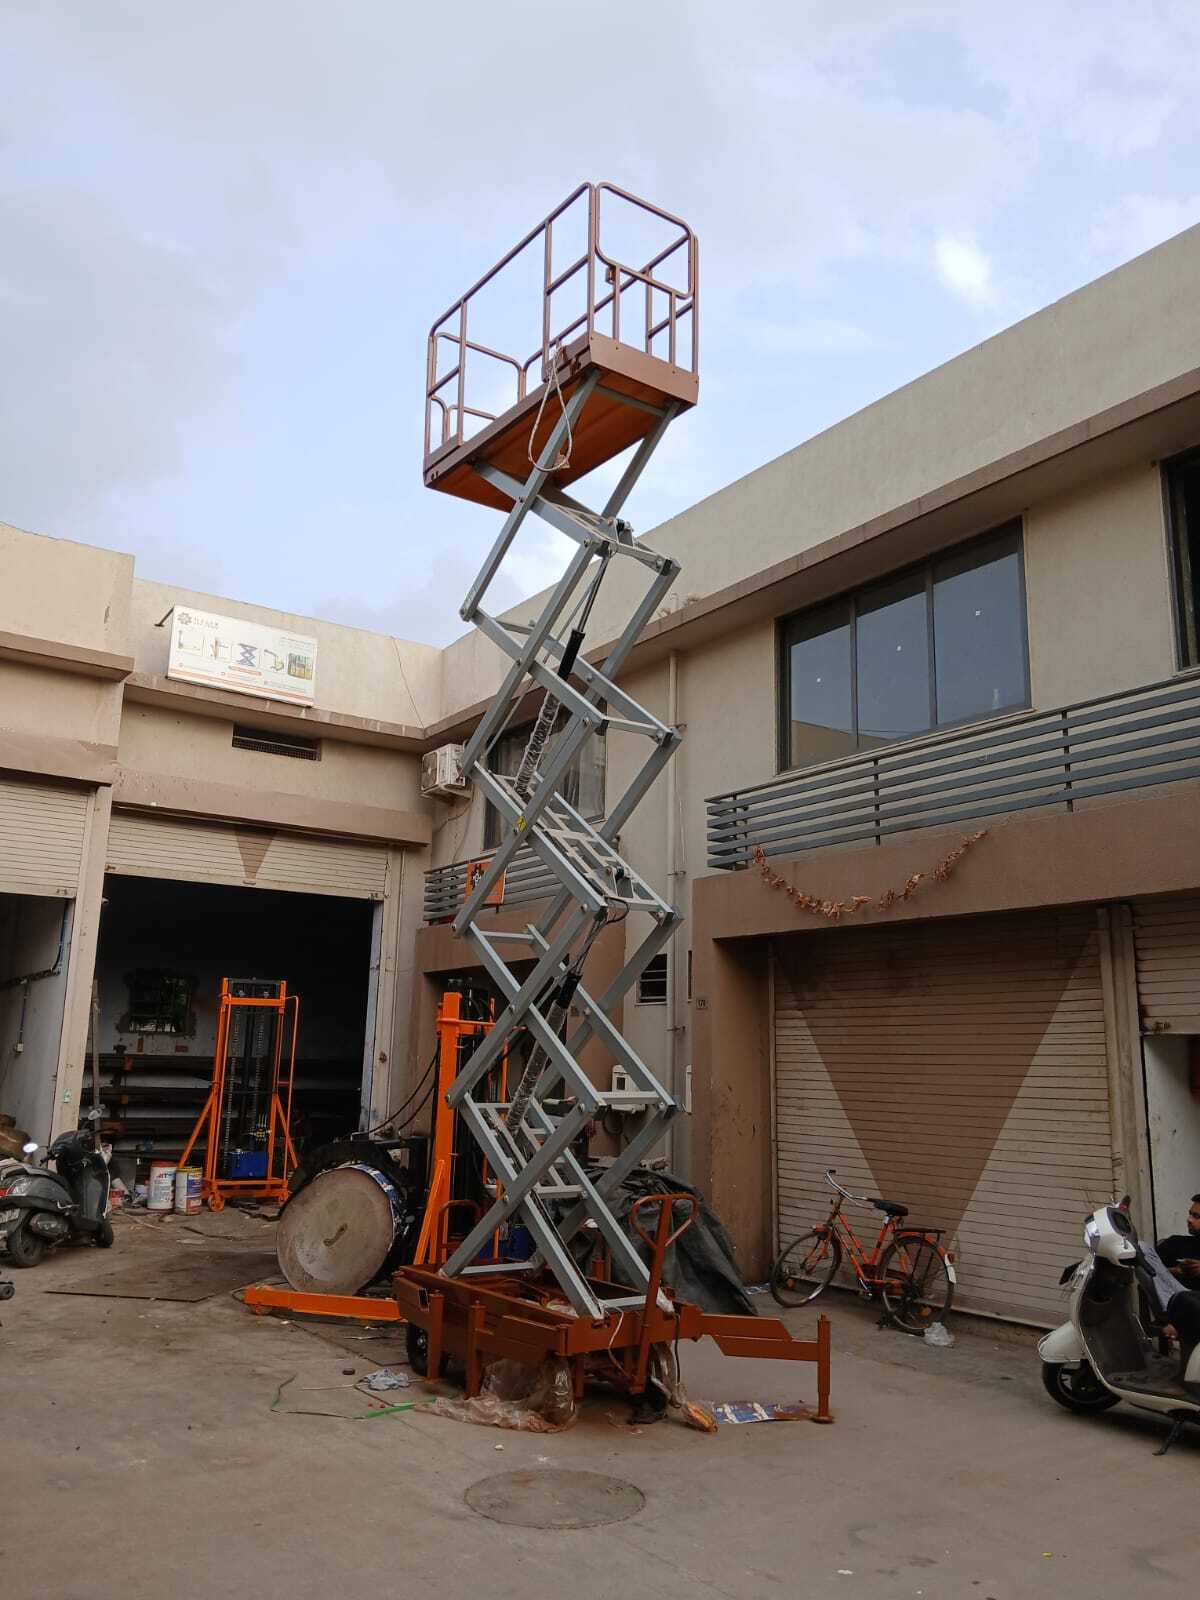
(442, 773)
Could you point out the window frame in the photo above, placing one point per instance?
(493, 821)
(786, 628)
(1187, 649)
(645, 1000)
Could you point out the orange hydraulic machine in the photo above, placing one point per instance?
(245, 1125)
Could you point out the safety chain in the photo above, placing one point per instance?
(835, 910)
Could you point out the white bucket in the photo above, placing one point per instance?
(160, 1194)
(187, 1190)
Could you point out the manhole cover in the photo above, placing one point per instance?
(555, 1499)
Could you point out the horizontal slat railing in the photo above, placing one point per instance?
(1143, 738)
(527, 879)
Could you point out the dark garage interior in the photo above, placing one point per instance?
(165, 945)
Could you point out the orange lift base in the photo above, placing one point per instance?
(488, 1315)
(475, 1321)
(263, 1298)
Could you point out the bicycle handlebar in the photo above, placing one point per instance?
(831, 1180)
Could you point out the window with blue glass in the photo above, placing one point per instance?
(939, 644)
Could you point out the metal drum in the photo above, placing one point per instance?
(336, 1235)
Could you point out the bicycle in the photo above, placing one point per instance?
(908, 1269)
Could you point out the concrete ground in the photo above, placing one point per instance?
(143, 1462)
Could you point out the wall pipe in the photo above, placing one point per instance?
(46, 972)
(672, 896)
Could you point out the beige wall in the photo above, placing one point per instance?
(359, 673)
(57, 589)
(1099, 589)
(59, 704)
(63, 593)
(155, 740)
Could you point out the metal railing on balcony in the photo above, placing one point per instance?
(527, 879)
(1146, 737)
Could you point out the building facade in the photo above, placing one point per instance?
(938, 665)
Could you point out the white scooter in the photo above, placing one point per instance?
(1112, 1348)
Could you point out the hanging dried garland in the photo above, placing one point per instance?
(835, 910)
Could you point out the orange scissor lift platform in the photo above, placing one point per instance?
(616, 283)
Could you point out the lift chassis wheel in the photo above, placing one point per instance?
(416, 1343)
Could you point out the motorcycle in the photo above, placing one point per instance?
(40, 1208)
(1115, 1344)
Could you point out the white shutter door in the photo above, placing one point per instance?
(41, 838)
(203, 852)
(957, 1068)
(1167, 941)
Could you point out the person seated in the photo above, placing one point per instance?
(1180, 1252)
(1176, 1310)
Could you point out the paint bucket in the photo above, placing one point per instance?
(160, 1194)
(187, 1190)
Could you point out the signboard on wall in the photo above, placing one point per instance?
(247, 656)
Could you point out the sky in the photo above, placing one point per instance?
(226, 229)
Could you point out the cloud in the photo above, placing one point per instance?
(1116, 126)
(227, 228)
(111, 343)
(963, 267)
(424, 609)
(812, 336)
(1137, 222)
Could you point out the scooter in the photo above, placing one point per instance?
(1113, 1348)
(40, 1208)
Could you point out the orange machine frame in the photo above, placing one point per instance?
(214, 1189)
(452, 1029)
(433, 1242)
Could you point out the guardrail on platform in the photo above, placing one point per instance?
(650, 306)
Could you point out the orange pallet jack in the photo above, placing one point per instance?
(251, 1095)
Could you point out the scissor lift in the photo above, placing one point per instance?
(608, 375)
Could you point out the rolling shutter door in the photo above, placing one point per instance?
(41, 838)
(203, 852)
(960, 1069)
(1167, 941)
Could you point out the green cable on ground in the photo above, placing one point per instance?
(357, 1416)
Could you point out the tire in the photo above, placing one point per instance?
(416, 1343)
(104, 1235)
(1077, 1388)
(806, 1266)
(915, 1284)
(25, 1249)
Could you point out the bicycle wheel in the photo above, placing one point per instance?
(808, 1265)
(915, 1283)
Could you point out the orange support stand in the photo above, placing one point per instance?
(281, 1158)
(453, 1029)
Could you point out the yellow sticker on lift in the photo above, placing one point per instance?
(521, 823)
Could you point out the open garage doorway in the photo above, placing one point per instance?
(165, 946)
(35, 933)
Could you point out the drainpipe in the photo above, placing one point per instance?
(32, 977)
(46, 972)
(672, 895)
